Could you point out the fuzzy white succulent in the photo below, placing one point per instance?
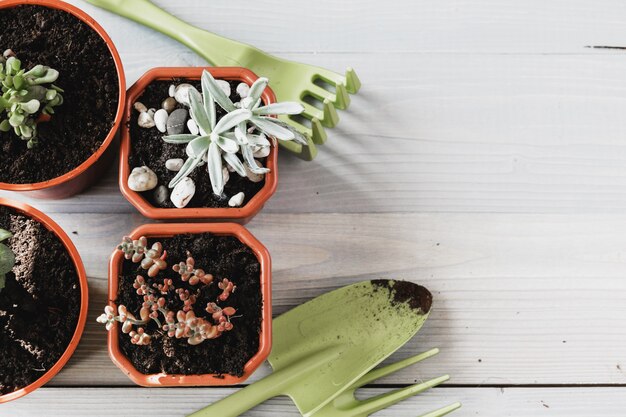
(233, 133)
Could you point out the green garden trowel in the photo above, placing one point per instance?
(290, 81)
(322, 347)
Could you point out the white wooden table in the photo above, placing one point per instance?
(485, 158)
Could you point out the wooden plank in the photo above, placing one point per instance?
(349, 26)
(461, 133)
(519, 299)
(484, 402)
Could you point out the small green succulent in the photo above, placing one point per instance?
(7, 258)
(25, 96)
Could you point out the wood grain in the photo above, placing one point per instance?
(175, 402)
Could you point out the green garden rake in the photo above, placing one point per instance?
(290, 81)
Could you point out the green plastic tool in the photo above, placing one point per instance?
(290, 81)
(323, 347)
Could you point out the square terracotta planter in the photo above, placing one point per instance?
(265, 334)
(237, 214)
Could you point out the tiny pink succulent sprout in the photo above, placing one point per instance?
(187, 298)
(133, 249)
(154, 260)
(141, 286)
(167, 285)
(227, 288)
(107, 318)
(187, 272)
(139, 337)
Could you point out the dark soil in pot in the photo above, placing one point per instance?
(39, 35)
(149, 149)
(224, 257)
(40, 304)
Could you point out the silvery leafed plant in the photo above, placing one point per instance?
(241, 131)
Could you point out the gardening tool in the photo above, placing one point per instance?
(290, 81)
(346, 405)
(323, 347)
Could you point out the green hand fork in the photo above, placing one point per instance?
(290, 81)
(346, 404)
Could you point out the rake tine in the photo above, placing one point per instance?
(443, 411)
(353, 84)
(375, 374)
(331, 118)
(319, 135)
(312, 112)
(379, 402)
(342, 98)
(319, 93)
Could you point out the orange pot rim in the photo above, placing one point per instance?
(265, 335)
(148, 210)
(84, 296)
(84, 17)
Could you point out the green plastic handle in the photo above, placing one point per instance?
(277, 383)
(206, 44)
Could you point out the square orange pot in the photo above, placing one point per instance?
(265, 335)
(236, 214)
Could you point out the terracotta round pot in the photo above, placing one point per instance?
(97, 164)
(237, 214)
(84, 296)
(265, 335)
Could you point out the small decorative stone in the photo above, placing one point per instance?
(169, 104)
(145, 120)
(181, 93)
(183, 192)
(140, 107)
(142, 179)
(193, 127)
(174, 164)
(172, 90)
(225, 86)
(236, 200)
(225, 175)
(254, 177)
(160, 119)
(176, 122)
(263, 152)
(243, 89)
(161, 194)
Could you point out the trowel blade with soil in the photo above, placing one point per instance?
(322, 347)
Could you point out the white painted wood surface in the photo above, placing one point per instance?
(484, 158)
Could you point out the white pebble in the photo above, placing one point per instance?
(236, 200)
(140, 107)
(263, 152)
(225, 86)
(160, 119)
(145, 120)
(225, 174)
(181, 93)
(172, 90)
(161, 193)
(252, 176)
(243, 89)
(193, 127)
(142, 179)
(174, 164)
(183, 192)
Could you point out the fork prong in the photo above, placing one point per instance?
(442, 411)
(353, 84)
(342, 98)
(331, 118)
(311, 112)
(375, 374)
(320, 93)
(379, 402)
(319, 135)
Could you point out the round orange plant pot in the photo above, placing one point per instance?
(97, 164)
(49, 224)
(237, 214)
(265, 334)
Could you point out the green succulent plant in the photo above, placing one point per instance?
(7, 258)
(223, 139)
(26, 95)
